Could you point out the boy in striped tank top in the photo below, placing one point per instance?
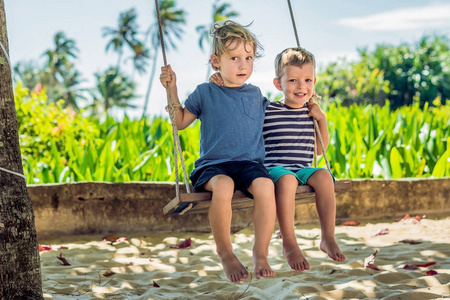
(289, 142)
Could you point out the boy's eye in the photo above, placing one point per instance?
(234, 58)
(292, 80)
(249, 58)
(308, 80)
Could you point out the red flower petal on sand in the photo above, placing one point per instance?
(369, 260)
(410, 267)
(412, 242)
(430, 272)
(381, 232)
(45, 248)
(183, 244)
(351, 223)
(416, 266)
(236, 229)
(108, 273)
(155, 284)
(114, 238)
(373, 267)
(427, 264)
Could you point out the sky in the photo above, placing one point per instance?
(332, 30)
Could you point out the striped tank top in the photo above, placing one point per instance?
(288, 137)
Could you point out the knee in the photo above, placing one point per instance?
(287, 181)
(221, 185)
(321, 178)
(261, 186)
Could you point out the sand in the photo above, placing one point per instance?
(145, 267)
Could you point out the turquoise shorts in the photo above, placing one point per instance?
(302, 175)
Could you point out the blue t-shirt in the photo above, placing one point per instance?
(231, 123)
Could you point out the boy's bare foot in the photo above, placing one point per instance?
(330, 247)
(295, 258)
(234, 269)
(262, 267)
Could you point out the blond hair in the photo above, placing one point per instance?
(225, 33)
(293, 57)
(297, 57)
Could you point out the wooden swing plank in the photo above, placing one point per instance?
(201, 201)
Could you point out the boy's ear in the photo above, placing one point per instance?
(277, 84)
(214, 60)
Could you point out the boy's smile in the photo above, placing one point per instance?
(297, 84)
(236, 65)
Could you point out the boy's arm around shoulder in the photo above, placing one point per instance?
(183, 117)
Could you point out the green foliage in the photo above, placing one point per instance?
(376, 142)
(59, 145)
(403, 74)
(113, 90)
(58, 76)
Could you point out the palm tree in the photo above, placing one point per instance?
(58, 58)
(124, 34)
(221, 12)
(60, 76)
(20, 271)
(140, 56)
(71, 92)
(113, 90)
(171, 21)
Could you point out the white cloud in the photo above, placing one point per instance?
(434, 16)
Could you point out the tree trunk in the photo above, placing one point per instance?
(20, 276)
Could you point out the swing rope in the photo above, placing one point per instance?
(316, 125)
(172, 107)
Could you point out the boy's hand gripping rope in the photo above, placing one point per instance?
(316, 125)
(171, 105)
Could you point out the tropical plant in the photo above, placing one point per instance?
(59, 76)
(58, 59)
(140, 57)
(60, 145)
(351, 83)
(416, 73)
(113, 90)
(172, 19)
(403, 74)
(221, 12)
(124, 34)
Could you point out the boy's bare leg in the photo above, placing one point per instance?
(323, 184)
(220, 213)
(285, 190)
(264, 216)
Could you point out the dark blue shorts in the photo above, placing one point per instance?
(243, 174)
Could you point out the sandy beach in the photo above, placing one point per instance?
(412, 258)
